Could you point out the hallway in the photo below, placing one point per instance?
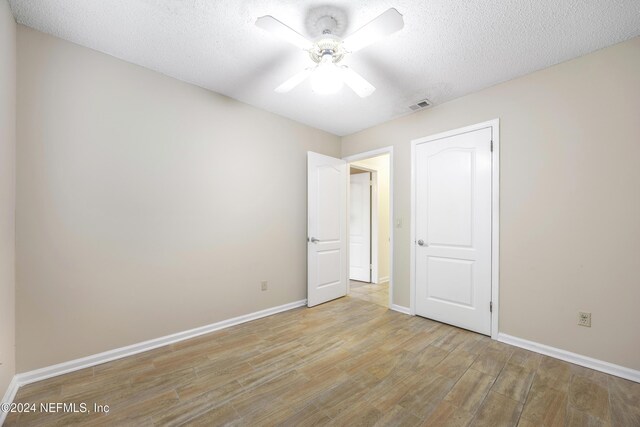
(371, 292)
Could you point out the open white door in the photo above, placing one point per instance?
(327, 180)
(360, 227)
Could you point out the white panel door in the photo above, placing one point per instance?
(453, 230)
(327, 181)
(360, 227)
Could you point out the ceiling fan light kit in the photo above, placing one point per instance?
(327, 76)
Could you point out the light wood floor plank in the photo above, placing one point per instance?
(470, 391)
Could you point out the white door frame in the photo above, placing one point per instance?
(367, 155)
(495, 213)
(374, 220)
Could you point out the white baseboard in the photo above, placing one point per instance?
(107, 356)
(383, 279)
(9, 396)
(567, 356)
(400, 309)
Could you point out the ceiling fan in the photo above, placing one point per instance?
(327, 50)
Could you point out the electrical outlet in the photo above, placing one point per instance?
(264, 285)
(584, 319)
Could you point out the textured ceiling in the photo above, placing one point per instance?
(447, 48)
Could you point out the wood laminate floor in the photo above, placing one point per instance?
(348, 362)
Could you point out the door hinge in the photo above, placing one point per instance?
(492, 145)
(370, 266)
(371, 183)
(490, 306)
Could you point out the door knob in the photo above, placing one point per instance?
(421, 242)
(314, 240)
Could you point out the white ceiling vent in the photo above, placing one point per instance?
(420, 105)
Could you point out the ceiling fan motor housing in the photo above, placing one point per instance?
(327, 44)
(328, 22)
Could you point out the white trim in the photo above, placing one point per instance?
(107, 356)
(9, 395)
(412, 234)
(495, 216)
(401, 309)
(567, 356)
(375, 228)
(383, 279)
(495, 226)
(367, 155)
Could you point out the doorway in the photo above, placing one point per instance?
(370, 229)
(328, 229)
(361, 223)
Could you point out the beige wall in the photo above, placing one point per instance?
(146, 206)
(570, 198)
(7, 194)
(381, 165)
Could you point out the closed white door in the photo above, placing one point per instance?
(360, 227)
(327, 181)
(453, 230)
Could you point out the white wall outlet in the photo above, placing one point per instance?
(584, 319)
(264, 285)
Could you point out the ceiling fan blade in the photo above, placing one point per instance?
(387, 23)
(356, 82)
(286, 33)
(293, 81)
